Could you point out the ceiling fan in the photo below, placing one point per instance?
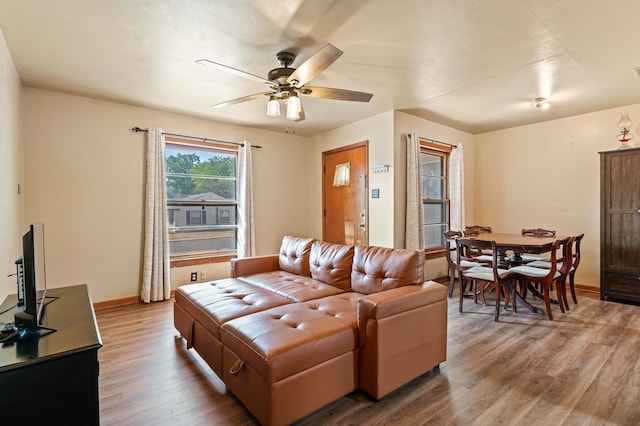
(286, 84)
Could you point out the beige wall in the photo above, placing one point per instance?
(378, 131)
(84, 178)
(10, 171)
(548, 175)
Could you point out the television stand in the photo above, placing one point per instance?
(53, 378)
(23, 330)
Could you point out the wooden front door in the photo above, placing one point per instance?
(344, 195)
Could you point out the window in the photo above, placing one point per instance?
(196, 217)
(201, 199)
(433, 173)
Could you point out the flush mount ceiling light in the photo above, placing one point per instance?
(539, 103)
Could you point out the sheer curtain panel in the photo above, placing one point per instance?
(156, 284)
(414, 233)
(246, 233)
(456, 189)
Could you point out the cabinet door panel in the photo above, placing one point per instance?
(623, 242)
(622, 286)
(622, 182)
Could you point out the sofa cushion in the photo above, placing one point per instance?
(214, 303)
(294, 287)
(377, 269)
(331, 264)
(285, 340)
(294, 255)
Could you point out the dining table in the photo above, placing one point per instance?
(518, 244)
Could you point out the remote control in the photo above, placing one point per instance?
(8, 327)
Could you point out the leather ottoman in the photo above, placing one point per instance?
(202, 308)
(289, 361)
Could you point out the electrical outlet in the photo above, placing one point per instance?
(203, 275)
(194, 276)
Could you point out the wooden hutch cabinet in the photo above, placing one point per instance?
(620, 224)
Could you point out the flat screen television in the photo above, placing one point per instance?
(32, 282)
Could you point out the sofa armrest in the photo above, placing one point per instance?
(390, 302)
(254, 265)
(402, 333)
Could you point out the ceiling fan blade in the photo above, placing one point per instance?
(233, 71)
(242, 99)
(313, 66)
(337, 94)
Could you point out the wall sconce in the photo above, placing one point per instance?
(625, 131)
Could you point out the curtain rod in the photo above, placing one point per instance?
(138, 130)
(435, 141)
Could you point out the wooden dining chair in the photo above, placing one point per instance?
(575, 261)
(574, 266)
(539, 232)
(469, 261)
(555, 274)
(481, 278)
(536, 232)
(470, 231)
(450, 254)
(476, 229)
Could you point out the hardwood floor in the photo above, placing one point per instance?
(583, 368)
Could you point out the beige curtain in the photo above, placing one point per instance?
(456, 189)
(246, 233)
(156, 283)
(414, 233)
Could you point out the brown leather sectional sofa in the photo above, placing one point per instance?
(292, 332)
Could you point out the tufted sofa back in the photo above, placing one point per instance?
(294, 255)
(361, 268)
(331, 264)
(378, 269)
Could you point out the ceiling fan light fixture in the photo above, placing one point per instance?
(293, 107)
(285, 83)
(273, 107)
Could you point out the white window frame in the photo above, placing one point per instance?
(224, 230)
(443, 152)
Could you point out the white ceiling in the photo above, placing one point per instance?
(470, 64)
